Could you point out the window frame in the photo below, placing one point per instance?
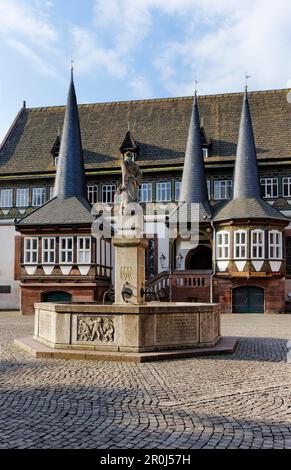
(149, 191)
(49, 251)
(288, 182)
(223, 246)
(66, 250)
(8, 191)
(33, 195)
(276, 245)
(264, 182)
(257, 245)
(30, 250)
(177, 184)
(92, 190)
(239, 245)
(84, 250)
(221, 186)
(167, 189)
(111, 185)
(18, 190)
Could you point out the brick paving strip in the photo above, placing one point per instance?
(235, 401)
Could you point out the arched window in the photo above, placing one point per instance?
(222, 245)
(258, 244)
(240, 244)
(275, 244)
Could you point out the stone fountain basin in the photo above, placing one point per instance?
(146, 327)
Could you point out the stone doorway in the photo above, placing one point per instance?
(199, 259)
(248, 299)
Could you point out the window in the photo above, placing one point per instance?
(66, 250)
(52, 190)
(223, 245)
(48, 250)
(30, 250)
(56, 161)
(84, 250)
(38, 196)
(164, 191)
(275, 244)
(22, 197)
(177, 190)
(145, 192)
(208, 182)
(269, 187)
(6, 198)
(222, 189)
(108, 191)
(240, 244)
(258, 241)
(205, 153)
(92, 194)
(287, 187)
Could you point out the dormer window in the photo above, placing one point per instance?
(206, 143)
(129, 145)
(55, 151)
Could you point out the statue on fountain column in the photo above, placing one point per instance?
(131, 179)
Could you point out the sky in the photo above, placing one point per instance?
(139, 49)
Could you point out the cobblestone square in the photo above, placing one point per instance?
(237, 401)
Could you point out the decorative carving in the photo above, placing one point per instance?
(126, 273)
(91, 329)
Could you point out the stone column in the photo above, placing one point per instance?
(129, 268)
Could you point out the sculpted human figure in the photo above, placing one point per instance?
(131, 179)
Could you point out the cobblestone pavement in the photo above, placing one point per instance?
(238, 401)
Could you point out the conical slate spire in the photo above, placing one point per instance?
(194, 187)
(246, 173)
(70, 178)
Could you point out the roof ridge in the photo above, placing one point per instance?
(158, 100)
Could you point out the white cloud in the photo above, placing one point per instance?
(141, 88)
(222, 40)
(26, 28)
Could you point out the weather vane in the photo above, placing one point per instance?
(247, 76)
(128, 125)
(72, 63)
(196, 83)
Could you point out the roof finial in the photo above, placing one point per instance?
(247, 76)
(128, 125)
(196, 83)
(72, 67)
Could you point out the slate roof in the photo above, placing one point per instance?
(160, 129)
(246, 208)
(246, 182)
(70, 179)
(193, 186)
(246, 202)
(69, 205)
(60, 212)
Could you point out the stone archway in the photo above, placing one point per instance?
(199, 259)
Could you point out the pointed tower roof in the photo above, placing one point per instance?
(193, 186)
(246, 201)
(70, 178)
(69, 204)
(246, 173)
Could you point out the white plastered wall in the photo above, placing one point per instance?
(7, 255)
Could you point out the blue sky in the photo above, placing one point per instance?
(134, 49)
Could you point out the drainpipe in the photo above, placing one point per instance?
(213, 261)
